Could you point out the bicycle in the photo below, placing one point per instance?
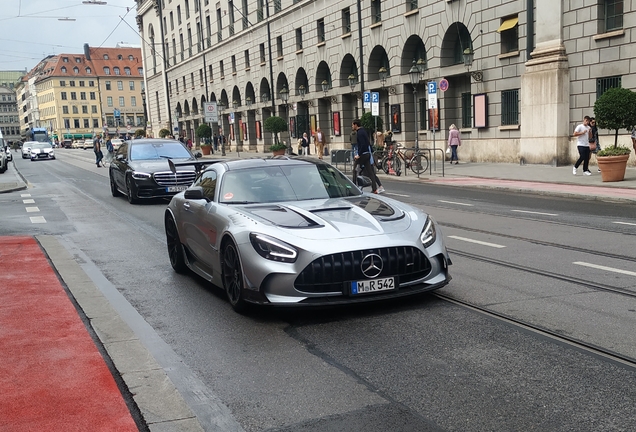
(392, 162)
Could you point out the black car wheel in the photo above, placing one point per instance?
(132, 198)
(175, 248)
(113, 187)
(233, 277)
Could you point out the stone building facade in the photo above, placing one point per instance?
(9, 119)
(516, 76)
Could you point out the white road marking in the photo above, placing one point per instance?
(32, 209)
(531, 212)
(396, 194)
(37, 219)
(457, 203)
(477, 241)
(599, 267)
(28, 201)
(625, 223)
(25, 195)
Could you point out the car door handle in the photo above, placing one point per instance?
(186, 205)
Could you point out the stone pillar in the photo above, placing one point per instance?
(545, 92)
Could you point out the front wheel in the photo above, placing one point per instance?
(233, 277)
(419, 163)
(392, 166)
(130, 191)
(113, 187)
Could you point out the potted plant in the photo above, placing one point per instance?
(614, 110)
(275, 124)
(278, 149)
(204, 131)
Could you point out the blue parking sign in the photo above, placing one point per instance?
(432, 87)
(367, 96)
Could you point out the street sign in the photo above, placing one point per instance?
(432, 95)
(443, 84)
(116, 113)
(366, 100)
(211, 113)
(128, 128)
(375, 103)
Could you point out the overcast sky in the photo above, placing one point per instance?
(30, 29)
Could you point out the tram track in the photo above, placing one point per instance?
(604, 353)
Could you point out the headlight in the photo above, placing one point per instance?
(428, 233)
(140, 175)
(272, 249)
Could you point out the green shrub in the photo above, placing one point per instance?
(614, 151)
(164, 133)
(615, 110)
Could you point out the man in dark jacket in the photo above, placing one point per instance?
(362, 154)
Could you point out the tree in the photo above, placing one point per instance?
(164, 133)
(369, 121)
(275, 124)
(204, 131)
(616, 109)
(140, 133)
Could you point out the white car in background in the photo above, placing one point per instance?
(88, 144)
(26, 149)
(42, 150)
(116, 143)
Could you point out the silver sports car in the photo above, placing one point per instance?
(291, 231)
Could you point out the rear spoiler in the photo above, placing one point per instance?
(198, 165)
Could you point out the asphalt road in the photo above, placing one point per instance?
(423, 364)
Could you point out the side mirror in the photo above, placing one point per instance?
(195, 193)
(198, 155)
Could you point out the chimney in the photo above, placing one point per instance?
(87, 51)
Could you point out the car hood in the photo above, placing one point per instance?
(336, 218)
(44, 149)
(151, 166)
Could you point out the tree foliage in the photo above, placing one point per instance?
(140, 133)
(204, 131)
(164, 133)
(275, 124)
(615, 110)
(369, 122)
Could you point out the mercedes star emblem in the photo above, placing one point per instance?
(372, 265)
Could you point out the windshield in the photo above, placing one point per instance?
(40, 136)
(285, 183)
(149, 151)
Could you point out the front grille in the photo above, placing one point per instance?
(328, 273)
(182, 178)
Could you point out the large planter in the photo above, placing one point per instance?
(206, 149)
(612, 167)
(278, 152)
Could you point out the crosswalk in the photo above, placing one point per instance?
(26, 199)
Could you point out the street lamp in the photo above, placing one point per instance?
(248, 102)
(143, 103)
(325, 86)
(414, 75)
(302, 90)
(352, 81)
(284, 96)
(220, 106)
(235, 104)
(468, 61)
(383, 75)
(264, 97)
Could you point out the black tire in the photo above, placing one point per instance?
(113, 187)
(175, 248)
(233, 277)
(396, 164)
(378, 157)
(130, 192)
(419, 163)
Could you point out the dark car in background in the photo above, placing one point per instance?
(140, 169)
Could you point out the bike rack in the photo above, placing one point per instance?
(431, 161)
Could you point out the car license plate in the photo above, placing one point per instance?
(371, 286)
(176, 188)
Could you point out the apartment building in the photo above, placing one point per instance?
(9, 119)
(514, 78)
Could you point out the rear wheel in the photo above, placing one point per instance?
(392, 166)
(175, 248)
(233, 277)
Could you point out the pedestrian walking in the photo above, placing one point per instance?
(582, 132)
(304, 144)
(110, 150)
(454, 141)
(222, 142)
(363, 157)
(595, 145)
(215, 142)
(97, 149)
(319, 142)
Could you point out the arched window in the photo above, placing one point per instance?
(127, 70)
(107, 70)
(76, 69)
(141, 71)
(119, 57)
(105, 56)
(130, 57)
(116, 70)
(63, 69)
(88, 70)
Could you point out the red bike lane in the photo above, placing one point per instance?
(52, 376)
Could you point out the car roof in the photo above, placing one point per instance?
(236, 164)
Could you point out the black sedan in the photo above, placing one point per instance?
(140, 169)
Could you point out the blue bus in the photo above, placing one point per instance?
(38, 134)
